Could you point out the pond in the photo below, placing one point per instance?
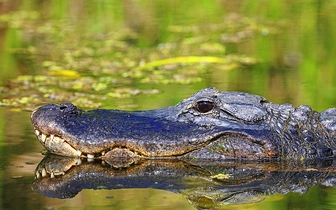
(137, 55)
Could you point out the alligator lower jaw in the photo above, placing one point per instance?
(60, 146)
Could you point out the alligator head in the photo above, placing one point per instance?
(209, 124)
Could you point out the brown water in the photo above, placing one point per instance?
(89, 53)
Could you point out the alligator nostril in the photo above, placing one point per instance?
(62, 107)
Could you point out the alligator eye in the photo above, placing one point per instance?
(204, 106)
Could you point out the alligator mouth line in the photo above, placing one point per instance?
(58, 145)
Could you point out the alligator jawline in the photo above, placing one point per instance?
(58, 145)
(61, 146)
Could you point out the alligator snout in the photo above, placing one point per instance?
(45, 121)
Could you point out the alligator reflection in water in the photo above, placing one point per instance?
(204, 184)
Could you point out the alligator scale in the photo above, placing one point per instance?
(208, 125)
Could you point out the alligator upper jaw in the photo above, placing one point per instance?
(68, 131)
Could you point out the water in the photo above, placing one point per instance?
(90, 53)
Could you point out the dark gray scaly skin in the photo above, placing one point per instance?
(210, 124)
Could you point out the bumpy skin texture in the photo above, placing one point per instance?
(210, 124)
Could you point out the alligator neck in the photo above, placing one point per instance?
(302, 133)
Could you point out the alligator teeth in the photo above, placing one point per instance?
(52, 175)
(37, 174)
(90, 156)
(43, 137)
(52, 137)
(103, 153)
(79, 161)
(44, 172)
(79, 153)
(37, 132)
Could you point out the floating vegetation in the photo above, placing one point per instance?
(182, 60)
(64, 73)
(27, 92)
(221, 176)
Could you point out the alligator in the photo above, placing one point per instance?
(209, 125)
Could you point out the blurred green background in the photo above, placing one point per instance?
(105, 50)
(141, 54)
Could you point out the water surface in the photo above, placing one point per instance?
(150, 54)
